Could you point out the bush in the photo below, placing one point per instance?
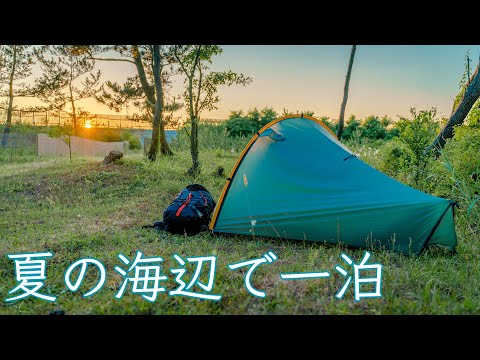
(267, 115)
(210, 137)
(462, 152)
(326, 121)
(473, 117)
(373, 128)
(133, 140)
(456, 173)
(406, 153)
(395, 159)
(239, 124)
(24, 128)
(107, 135)
(419, 131)
(352, 129)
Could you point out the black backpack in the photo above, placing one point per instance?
(189, 213)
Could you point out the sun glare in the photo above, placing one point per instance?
(88, 125)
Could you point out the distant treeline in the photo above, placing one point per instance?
(240, 124)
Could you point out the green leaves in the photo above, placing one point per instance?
(15, 61)
(239, 124)
(418, 132)
(201, 84)
(116, 95)
(67, 76)
(63, 132)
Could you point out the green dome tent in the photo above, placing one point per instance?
(295, 180)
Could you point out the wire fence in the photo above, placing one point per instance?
(18, 144)
(49, 118)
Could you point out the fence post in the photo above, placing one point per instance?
(20, 116)
(59, 120)
(46, 118)
(33, 112)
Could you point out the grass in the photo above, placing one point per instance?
(81, 209)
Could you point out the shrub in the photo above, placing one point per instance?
(210, 137)
(267, 115)
(462, 151)
(456, 174)
(409, 159)
(395, 159)
(108, 135)
(419, 131)
(352, 129)
(373, 128)
(326, 121)
(239, 124)
(133, 140)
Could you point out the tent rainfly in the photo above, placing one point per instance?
(295, 180)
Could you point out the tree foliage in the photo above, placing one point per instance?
(63, 132)
(201, 87)
(146, 90)
(239, 124)
(15, 66)
(406, 152)
(67, 77)
(463, 104)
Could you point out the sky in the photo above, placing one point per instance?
(385, 80)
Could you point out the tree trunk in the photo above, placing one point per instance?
(164, 148)
(147, 89)
(195, 169)
(74, 114)
(341, 120)
(471, 95)
(158, 133)
(72, 101)
(8, 124)
(152, 153)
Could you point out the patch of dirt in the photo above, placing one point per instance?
(51, 186)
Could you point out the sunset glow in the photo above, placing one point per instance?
(386, 79)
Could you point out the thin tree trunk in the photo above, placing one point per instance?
(472, 93)
(194, 170)
(194, 149)
(152, 153)
(341, 120)
(74, 113)
(10, 88)
(72, 100)
(8, 124)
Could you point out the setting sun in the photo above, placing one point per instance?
(88, 125)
